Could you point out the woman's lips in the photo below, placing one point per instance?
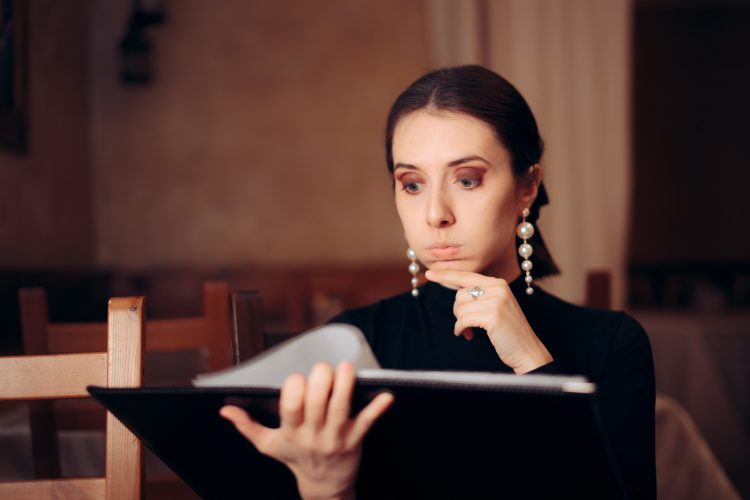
(444, 251)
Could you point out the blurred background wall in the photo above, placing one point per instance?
(46, 204)
(260, 139)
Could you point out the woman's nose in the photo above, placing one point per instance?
(439, 213)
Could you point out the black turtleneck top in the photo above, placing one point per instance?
(609, 348)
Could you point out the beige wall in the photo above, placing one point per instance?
(260, 140)
(45, 195)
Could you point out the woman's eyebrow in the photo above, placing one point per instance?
(468, 159)
(404, 165)
(453, 163)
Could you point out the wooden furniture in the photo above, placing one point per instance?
(66, 376)
(211, 332)
(247, 323)
(599, 289)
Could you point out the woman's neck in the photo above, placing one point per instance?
(506, 267)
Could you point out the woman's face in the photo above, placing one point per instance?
(456, 193)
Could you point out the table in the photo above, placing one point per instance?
(703, 362)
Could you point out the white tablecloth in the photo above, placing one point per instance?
(703, 362)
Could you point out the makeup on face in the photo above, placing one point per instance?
(444, 251)
(455, 191)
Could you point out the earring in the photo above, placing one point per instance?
(525, 231)
(413, 269)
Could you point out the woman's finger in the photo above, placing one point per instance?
(318, 392)
(291, 401)
(470, 306)
(467, 333)
(256, 433)
(368, 416)
(341, 399)
(461, 279)
(473, 320)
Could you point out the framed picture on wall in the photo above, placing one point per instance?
(13, 71)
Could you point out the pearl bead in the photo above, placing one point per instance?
(528, 279)
(411, 254)
(529, 291)
(415, 292)
(414, 268)
(525, 212)
(525, 230)
(525, 250)
(414, 281)
(527, 265)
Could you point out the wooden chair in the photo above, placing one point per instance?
(66, 376)
(247, 323)
(211, 332)
(599, 289)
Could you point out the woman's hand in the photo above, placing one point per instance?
(316, 439)
(499, 314)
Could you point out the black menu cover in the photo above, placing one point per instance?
(438, 440)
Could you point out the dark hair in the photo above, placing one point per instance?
(480, 93)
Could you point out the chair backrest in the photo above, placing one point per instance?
(249, 327)
(247, 324)
(599, 289)
(67, 376)
(211, 330)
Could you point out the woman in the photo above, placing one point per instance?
(464, 151)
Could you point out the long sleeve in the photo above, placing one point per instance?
(627, 399)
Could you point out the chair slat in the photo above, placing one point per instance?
(83, 489)
(64, 338)
(36, 377)
(163, 334)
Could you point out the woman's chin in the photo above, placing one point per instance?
(452, 265)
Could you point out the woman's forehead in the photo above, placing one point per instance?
(438, 137)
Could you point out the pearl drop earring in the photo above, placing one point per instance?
(413, 269)
(525, 231)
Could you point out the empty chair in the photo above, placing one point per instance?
(210, 332)
(67, 376)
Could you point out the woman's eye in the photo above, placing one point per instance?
(411, 187)
(469, 183)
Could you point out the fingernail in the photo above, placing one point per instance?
(428, 273)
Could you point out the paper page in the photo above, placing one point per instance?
(331, 343)
(577, 384)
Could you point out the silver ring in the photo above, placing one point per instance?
(475, 292)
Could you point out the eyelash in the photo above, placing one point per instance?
(405, 186)
(475, 184)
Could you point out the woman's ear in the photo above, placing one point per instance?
(529, 187)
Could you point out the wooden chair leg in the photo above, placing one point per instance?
(45, 451)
